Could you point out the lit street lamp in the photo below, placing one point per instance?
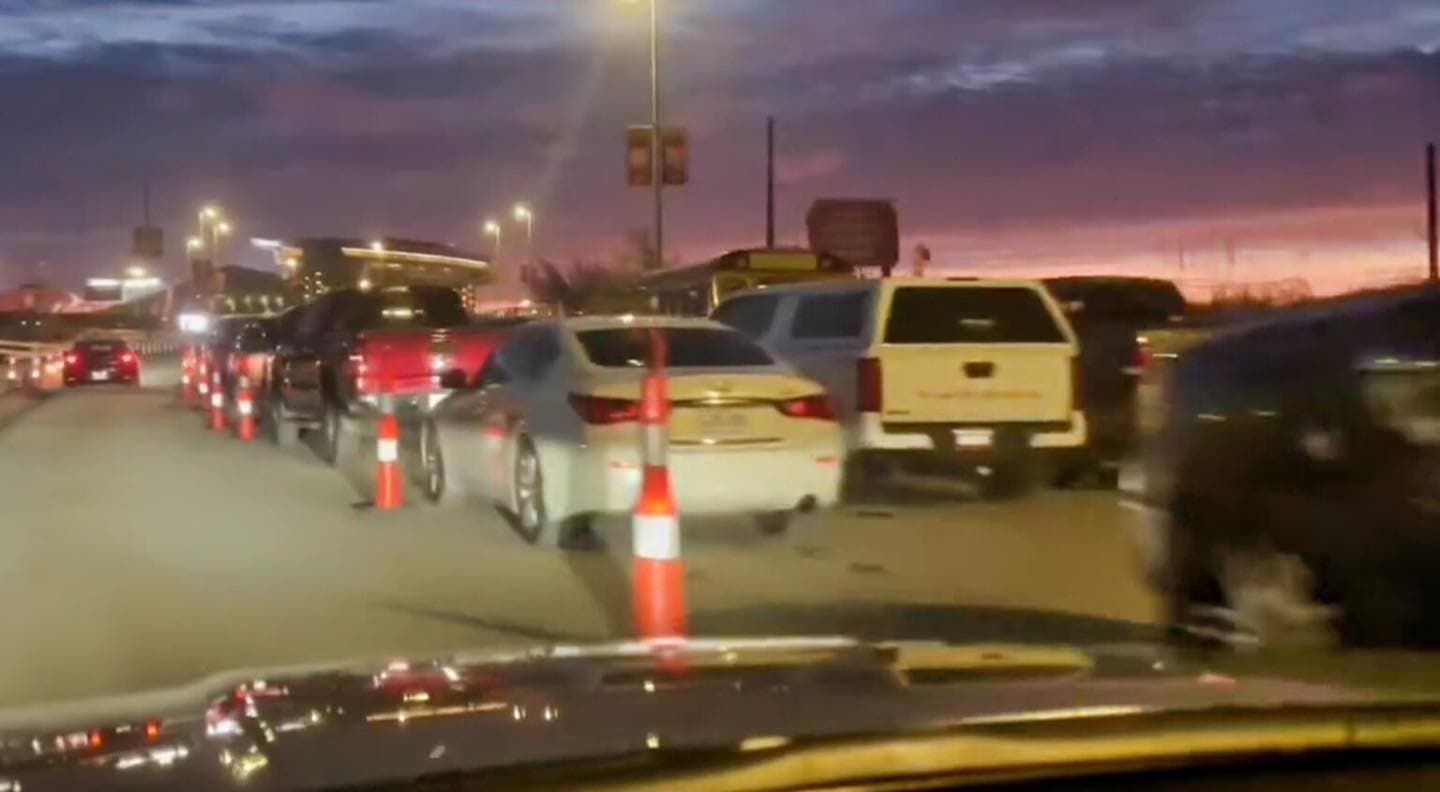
(523, 214)
(492, 228)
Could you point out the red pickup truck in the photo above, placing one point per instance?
(342, 352)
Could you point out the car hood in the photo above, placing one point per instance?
(371, 723)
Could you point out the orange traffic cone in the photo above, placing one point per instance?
(658, 583)
(389, 489)
(187, 378)
(245, 410)
(217, 404)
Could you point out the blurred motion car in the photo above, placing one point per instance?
(931, 375)
(549, 431)
(101, 360)
(339, 354)
(1294, 484)
(1108, 314)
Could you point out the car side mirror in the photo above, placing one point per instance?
(454, 379)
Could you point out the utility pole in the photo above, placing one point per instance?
(657, 165)
(1430, 210)
(769, 182)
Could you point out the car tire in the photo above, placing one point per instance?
(332, 433)
(531, 516)
(432, 464)
(774, 523)
(1008, 480)
(281, 431)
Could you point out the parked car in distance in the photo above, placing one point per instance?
(101, 360)
(550, 435)
(339, 354)
(931, 375)
(1293, 486)
(1108, 314)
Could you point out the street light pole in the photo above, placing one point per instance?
(657, 170)
(524, 214)
(492, 228)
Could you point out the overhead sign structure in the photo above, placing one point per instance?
(862, 232)
(674, 156)
(148, 242)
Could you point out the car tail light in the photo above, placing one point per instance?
(71, 359)
(816, 406)
(602, 411)
(1140, 358)
(128, 358)
(868, 381)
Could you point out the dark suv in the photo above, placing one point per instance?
(1297, 477)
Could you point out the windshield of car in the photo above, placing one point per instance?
(685, 347)
(397, 333)
(930, 315)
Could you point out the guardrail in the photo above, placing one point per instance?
(31, 364)
(40, 364)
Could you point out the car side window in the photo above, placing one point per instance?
(752, 315)
(544, 351)
(823, 316)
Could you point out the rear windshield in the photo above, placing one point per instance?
(101, 347)
(418, 306)
(940, 315)
(688, 347)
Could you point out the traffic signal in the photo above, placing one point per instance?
(638, 166)
(674, 154)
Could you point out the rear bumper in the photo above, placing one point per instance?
(731, 481)
(871, 434)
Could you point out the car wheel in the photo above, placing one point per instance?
(528, 492)
(277, 428)
(1007, 480)
(432, 464)
(1272, 597)
(531, 516)
(332, 430)
(774, 523)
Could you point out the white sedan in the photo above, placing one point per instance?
(549, 432)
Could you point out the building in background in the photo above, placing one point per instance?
(313, 266)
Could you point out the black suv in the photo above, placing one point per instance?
(1297, 479)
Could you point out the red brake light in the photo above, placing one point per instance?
(868, 379)
(816, 406)
(127, 358)
(602, 411)
(71, 358)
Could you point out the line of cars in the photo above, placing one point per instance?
(779, 399)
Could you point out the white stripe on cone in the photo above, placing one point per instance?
(387, 450)
(245, 406)
(656, 537)
(217, 400)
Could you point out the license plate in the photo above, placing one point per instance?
(722, 423)
(99, 375)
(974, 438)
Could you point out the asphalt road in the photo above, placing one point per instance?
(138, 550)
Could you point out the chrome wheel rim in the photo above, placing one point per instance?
(433, 474)
(527, 490)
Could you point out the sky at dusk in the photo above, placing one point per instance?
(1208, 140)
